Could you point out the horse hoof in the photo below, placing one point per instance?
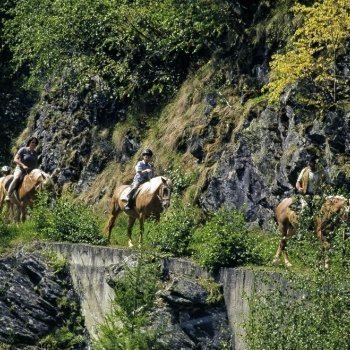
(130, 244)
(288, 264)
(274, 261)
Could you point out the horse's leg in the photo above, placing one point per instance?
(23, 212)
(115, 211)
(285, 254)
(281, 244)
(142, 228)
(324, 245)
(130, 226)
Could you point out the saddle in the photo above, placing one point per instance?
(124, 195)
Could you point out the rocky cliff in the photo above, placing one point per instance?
(37, 302)
(218, 128)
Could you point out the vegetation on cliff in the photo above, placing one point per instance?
(105, 77)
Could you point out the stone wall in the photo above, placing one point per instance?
(89, 268)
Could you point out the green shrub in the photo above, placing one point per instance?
(179, 180)
(66, 221)
(308, 312)
(126, 327)
(224, 240)
(6, 233)
(173, 232)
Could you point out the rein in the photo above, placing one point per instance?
(164, 195)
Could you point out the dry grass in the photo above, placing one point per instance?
(168, 137)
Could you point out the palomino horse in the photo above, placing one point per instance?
(333, 208)
(152, 199)
(24, 196)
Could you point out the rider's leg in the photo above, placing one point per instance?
(16, 176)
(134, 188)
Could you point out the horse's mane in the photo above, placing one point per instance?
(153, 185)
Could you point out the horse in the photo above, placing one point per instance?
(334, 207)
(153, 197)
(34, 182)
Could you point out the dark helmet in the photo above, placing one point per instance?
(313, 158)
(147, 152)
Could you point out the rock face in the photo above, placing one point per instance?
(192, 321)
(32, 295)
(183, 310)
(30, 299)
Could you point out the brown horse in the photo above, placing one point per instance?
(24, 196)
(152, 199)
(334, 207)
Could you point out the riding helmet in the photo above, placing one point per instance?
(5, 169)
(147, 152)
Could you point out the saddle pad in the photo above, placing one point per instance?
(124, 194)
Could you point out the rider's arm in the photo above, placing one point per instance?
(299, 184)
(18, 159)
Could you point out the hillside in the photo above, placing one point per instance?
(233, 97)
(232, 145)
(201, 110)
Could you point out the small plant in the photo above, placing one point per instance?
(67, 221)
(127, 327)
(214, 290)
(58, 263)
(180, 181)
(7, 233)
(173, 232)
(224, 240)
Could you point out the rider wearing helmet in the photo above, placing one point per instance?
(6, 170)
(144, 173)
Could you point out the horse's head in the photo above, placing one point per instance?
(45, 183)
(164, 192)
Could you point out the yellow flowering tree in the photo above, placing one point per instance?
(313, 49)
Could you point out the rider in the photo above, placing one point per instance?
(26, 159)
(311, 179)
(144, 173)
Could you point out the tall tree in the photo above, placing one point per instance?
(313, 50)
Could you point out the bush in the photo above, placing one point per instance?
(173, 232)
(6, 233)
(66, 221)
(128, 326)
(225, 240)
(309, 312)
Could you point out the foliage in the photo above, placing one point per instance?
(56, 262)
(213, 288)
(224, 240)
(125, 327)
(65, 337)
(313, 50)
(142, 48)
(6, 233)
(308, 309)
(310, 312)
(14, 100)
(173, 232)
(65, 220)
(179, 180)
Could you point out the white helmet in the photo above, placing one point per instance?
(6, 169)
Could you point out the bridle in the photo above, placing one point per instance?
(164, 195)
